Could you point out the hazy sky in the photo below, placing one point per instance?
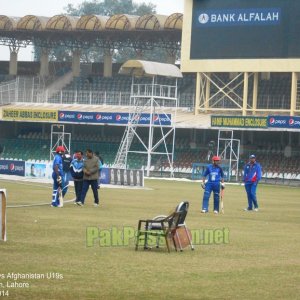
(49, 8)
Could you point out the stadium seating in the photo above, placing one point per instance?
(35, 146)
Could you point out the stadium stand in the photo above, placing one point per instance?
(35, 146)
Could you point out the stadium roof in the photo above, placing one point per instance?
(92, 30)
(91, 22)
(149, 69)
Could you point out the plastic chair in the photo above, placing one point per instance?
(180, 235)
(165, 227)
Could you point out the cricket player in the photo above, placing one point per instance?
(252, 175)
(67, 159)
(76, 170)
(214, 183)
(57, 175)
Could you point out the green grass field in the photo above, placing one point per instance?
(260, 261)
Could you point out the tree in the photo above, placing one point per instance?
(107, 8)
(110, 7)
(103, 8)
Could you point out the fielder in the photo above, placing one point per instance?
(58, 176)
(215, 182)
(252, 175)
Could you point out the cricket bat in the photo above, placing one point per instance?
(222, 202)
(61, 198)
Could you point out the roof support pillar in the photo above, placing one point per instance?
(44, 69)
(171, 56)
(107, 59)
(294, 93)
(76, 63)
(245, 93)
(13, 62)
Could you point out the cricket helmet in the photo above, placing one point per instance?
(216, 158)
(60, 149)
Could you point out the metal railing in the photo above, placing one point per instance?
(32, 90)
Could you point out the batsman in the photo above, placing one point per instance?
(58, 177)
(214, 183)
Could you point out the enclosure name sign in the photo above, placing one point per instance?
(236, 17)
(29, 114)
(239, 122)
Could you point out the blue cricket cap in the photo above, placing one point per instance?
(252, 156)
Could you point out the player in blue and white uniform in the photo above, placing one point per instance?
(67, 159)
(57, 175)
(252, 175)
(215, 181)
(76, 170)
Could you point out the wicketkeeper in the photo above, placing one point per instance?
(214, 183)
(58, 176)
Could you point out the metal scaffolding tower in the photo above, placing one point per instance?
(59, 138)
(149, 103)
(229, 150)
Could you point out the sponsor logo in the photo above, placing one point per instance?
(104, 118)
(274, 121)
(87, 117)
(291, 122)
(98, 117)
(239, 17)
(79, 116)
(164, 119)
(3, 167)
(155, 118)
(203, 18)
(118, 117)
(12, 167)
(61, 115)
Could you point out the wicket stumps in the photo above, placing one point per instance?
(3, 214)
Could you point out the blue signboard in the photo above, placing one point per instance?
(284, 122)
(12, 167)
(105, 176)
(110, 118)
(256, 29)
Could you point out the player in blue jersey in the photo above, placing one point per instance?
(215, 181)
(76, 170)
(252, 175)
(58, 176)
